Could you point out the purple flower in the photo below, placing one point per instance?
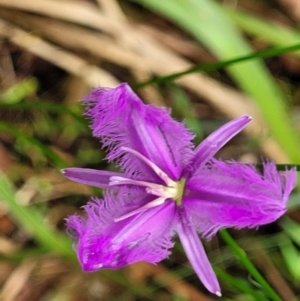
(166, 186)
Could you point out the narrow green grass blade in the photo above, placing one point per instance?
(239, 284)
(291, 228)
(223, 258)
(207, 21)
(275, 34)
(291, 257)
(286, 166)
(243, 258)
(51, 155)
(178, 298)
(294, 201)
(219, 65)
(19, 91)
(74, 111)
(33, 222)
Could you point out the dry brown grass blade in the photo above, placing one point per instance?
(7, 246)
(6, 159)
(58, 186)
(90, 74)
(75, 12)
(7, 77)
(77, 38)
(154, 57)
(112, 9)
(178, 43)
(73, 37)
(16, 281)
(292, 6)
(140, 271)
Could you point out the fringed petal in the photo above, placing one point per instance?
(230, 194)
(92, 177)
(119, 118)
(196, 254)
(103, 243)
(215, 141)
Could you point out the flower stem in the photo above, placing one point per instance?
(242, 257)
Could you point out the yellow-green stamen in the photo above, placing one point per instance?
(180, 190)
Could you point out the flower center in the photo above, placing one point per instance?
(172, 190)
(180, 191)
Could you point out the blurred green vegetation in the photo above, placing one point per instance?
(42, 129)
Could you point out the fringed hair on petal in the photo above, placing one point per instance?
(289, 177)
(280, 182)
(103, 243)
(120, 119)
(76, 225)
(231, 194)
(284, 180)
